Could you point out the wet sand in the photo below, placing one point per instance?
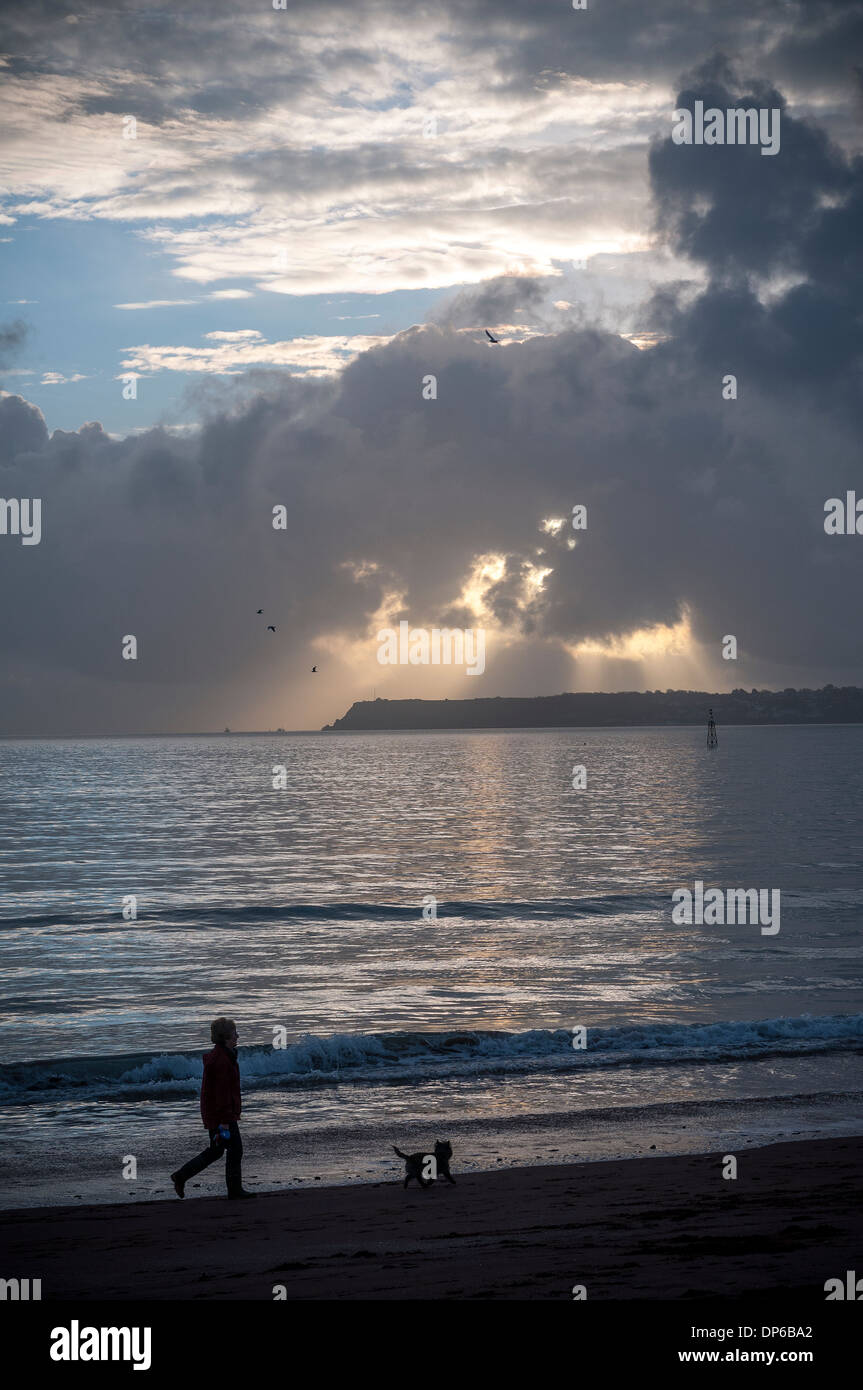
(645, 1228)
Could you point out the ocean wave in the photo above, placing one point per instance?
(205, 915)
(399, 1058)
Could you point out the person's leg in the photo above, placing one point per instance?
(233, 1162)
(214, 1150)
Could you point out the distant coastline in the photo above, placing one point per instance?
(830, 705)
(598, 709)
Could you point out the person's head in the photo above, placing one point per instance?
(224, 1031)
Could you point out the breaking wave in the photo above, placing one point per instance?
(400, 1058)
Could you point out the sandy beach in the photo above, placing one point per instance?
(649, 1228)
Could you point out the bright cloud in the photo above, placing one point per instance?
(155, 304)
(314, 355)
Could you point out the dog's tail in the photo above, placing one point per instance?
(399, 1152)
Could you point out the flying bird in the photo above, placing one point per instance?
(490, 338)
(314, 668)
(271, 628)
(260, 610)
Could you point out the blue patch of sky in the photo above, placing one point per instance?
(78, 271)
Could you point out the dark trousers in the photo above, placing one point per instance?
(232, 1147)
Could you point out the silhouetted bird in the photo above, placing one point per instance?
(314, 668)
(260, 610)
(271, 629)
(490, 338)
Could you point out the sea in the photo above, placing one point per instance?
(452, 935)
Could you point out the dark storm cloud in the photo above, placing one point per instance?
(811, 42)
(500, 300)
(649, 41)
(734, 209)
(802, 216)
(22, 429)
(692, 501)
(824, 42)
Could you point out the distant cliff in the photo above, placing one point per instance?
(832, 705)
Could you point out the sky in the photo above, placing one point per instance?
(235, 243)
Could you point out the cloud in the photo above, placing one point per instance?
(494, 302)
(785, 286)
(705, 516)
(236, 335)
(726, 210)
(298, 154)
(299, 158)
(391, 495)
(12, 339)
(156, 304)
(242, 349)
(173, 303)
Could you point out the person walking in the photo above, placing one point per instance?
(220, 1111)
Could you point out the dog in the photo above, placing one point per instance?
(416, 1165)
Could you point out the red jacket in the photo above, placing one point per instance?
(220, 1088)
